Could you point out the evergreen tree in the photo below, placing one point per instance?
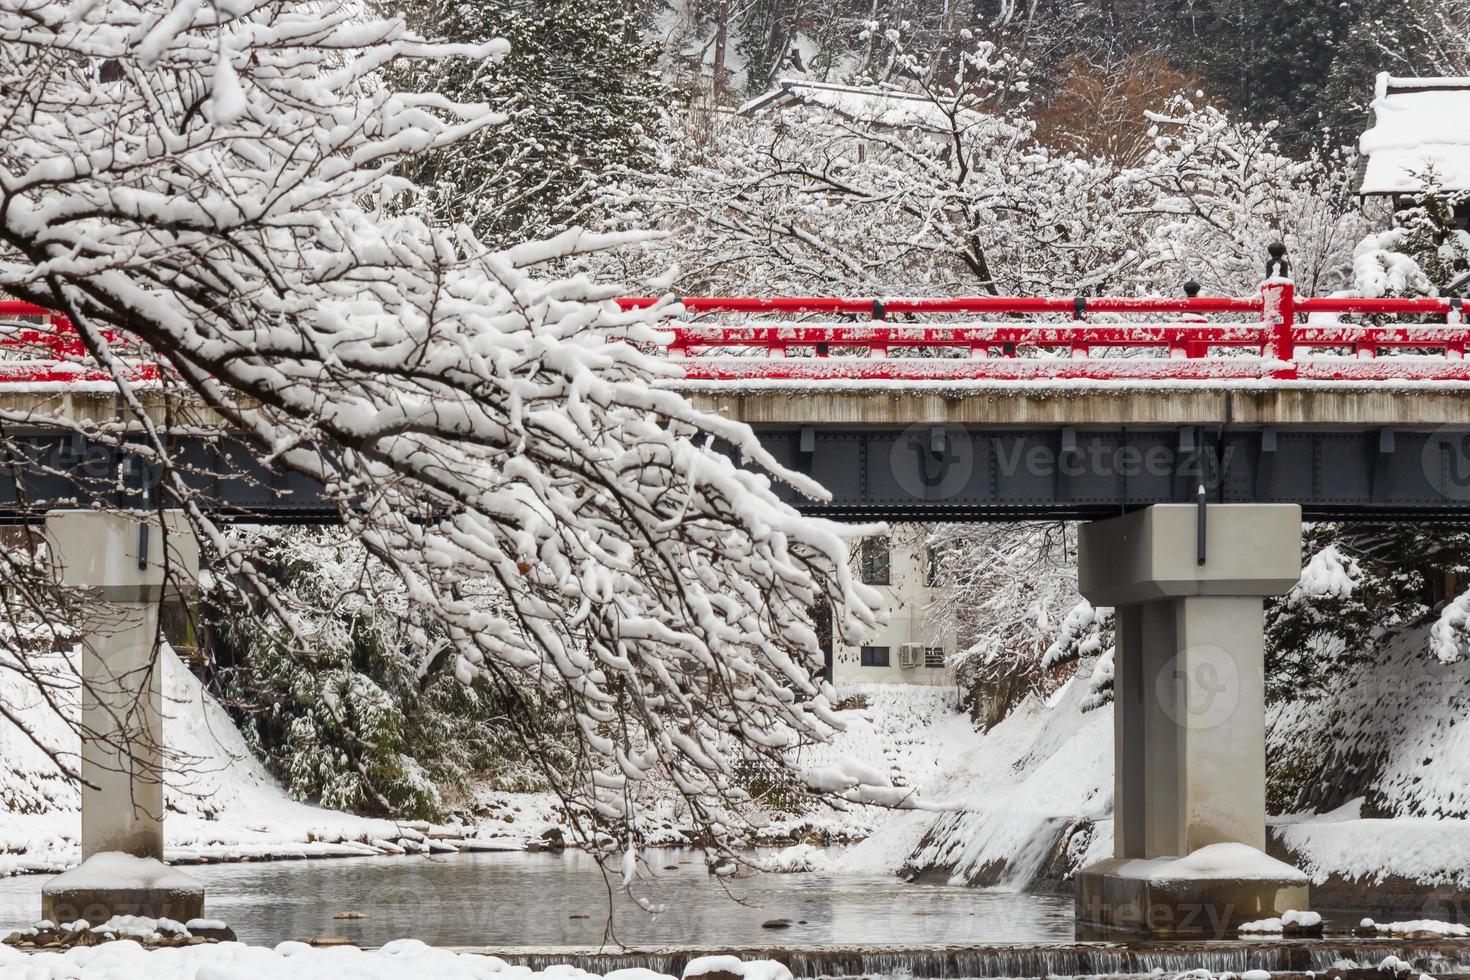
(579, 89)
(356, 707)
(1363, 582)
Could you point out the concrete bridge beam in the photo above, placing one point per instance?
(125, 566)
(1187, 584)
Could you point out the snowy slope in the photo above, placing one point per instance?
(1395, 731)
(1390, 744)
(1032, 799)
(1038, 781)
(222, 804)
(900, 730)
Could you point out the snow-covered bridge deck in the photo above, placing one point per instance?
(1002, 420)
(909, 408)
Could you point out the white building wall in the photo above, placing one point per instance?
(908, 600)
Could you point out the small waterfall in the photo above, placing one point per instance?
(1437, 957)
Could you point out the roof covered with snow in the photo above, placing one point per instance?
(886, 107)
(1418, 124)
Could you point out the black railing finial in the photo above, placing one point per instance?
(1276, 266)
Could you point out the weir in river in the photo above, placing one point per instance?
(1438, 957)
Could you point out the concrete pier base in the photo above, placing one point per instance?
(1118, 897)
(125, 566)
(1187, 586)
(112, 883)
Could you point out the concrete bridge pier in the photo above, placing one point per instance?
(1187, 583)
(127, 566)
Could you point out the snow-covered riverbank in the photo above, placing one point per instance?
(222, 804)
(1026, 804)
(1384, 760)
(405, 959)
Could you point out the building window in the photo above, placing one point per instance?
(875, 561)
(931, 567)
(934, 656)
(873, 656)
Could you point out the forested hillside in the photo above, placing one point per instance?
(1305, 64)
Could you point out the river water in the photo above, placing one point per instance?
(546, 899)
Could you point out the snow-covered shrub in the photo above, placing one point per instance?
(1086, 638)
(1100, 682)
(1422, 253)
(1449, 638)
(355, 706)
(1329, 575)
(1383, 267)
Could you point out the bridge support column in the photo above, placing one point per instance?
(1189, 824)
(126, 566)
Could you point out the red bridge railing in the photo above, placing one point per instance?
(38, 346)
(916, 339)
(909, 339)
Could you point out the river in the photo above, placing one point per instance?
(548, 899)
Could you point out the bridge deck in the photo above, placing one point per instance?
(1376, 429)
(1351, 405)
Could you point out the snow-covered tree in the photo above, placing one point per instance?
(1006, 593)
(948, 189)
(1220, 189)
(334, 702)
(1423, 252)
(1440, 38)
(216, 188)
(578, 89)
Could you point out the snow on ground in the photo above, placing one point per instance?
(1391, 730)
(1224, 860)
(1031, 800)
(1013, 793)
(405, 959)
(901, 731)
(222, 803)
(1431, 852)
(1386, 757)
(1021, 806)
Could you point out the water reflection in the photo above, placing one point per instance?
(517, 899)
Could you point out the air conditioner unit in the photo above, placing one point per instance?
(911, 655)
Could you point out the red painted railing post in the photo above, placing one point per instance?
(1278, 314)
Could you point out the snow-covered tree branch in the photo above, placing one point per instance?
(216, 187)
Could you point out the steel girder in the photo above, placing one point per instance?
(919, 472)
(967, 473)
